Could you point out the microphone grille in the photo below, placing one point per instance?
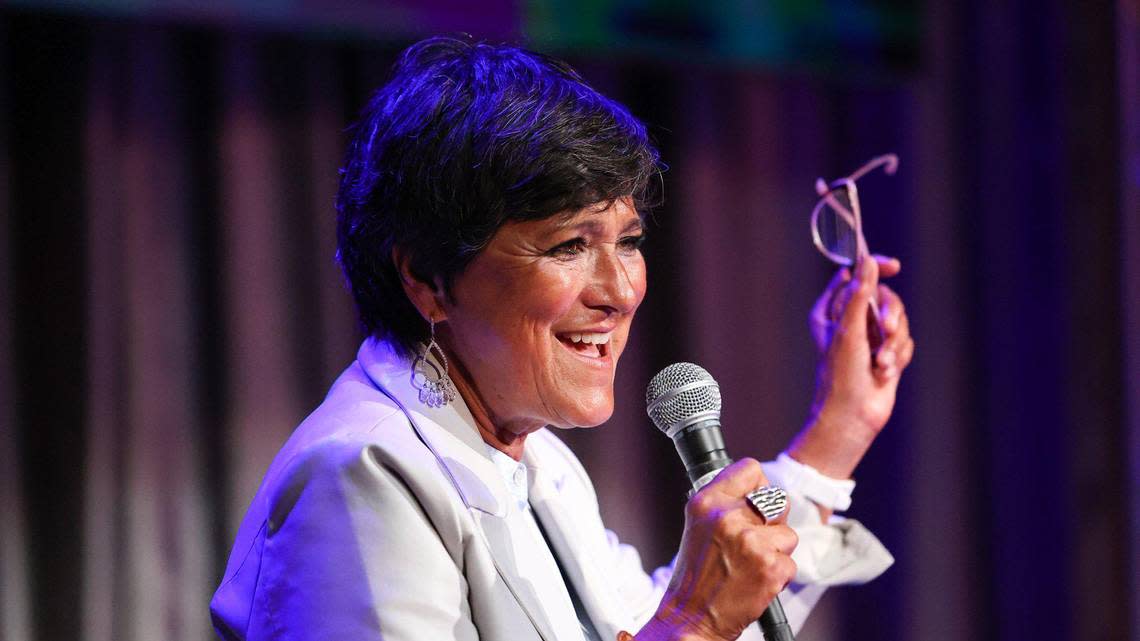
(680, 393)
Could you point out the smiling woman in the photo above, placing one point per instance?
(538, 320)
(490, 228)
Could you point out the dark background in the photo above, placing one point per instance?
(172, 308)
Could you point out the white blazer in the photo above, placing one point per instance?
(382, 518)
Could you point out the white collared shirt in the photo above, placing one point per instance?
(517, 479)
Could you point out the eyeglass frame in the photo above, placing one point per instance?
(890, 164)
(853, 217)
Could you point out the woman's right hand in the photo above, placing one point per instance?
(731, 564)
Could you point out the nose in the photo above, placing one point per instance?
(615, 285)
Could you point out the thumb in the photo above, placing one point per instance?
(863, 287)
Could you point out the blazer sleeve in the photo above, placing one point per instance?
(348, 553)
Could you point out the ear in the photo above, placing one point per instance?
(426, 296)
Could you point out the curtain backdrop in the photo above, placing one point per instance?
(172, 308)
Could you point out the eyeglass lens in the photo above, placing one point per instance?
(836, 227)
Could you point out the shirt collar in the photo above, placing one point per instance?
(514, 474)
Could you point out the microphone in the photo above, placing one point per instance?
(683, 400)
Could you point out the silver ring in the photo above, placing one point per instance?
(770, 501)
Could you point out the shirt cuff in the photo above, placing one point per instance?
(805, 480)
(840, 552)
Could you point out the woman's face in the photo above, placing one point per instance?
(538, 320)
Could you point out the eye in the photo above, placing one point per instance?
(632, 243)
(568, 249)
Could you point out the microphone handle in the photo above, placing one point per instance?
(702, 450)
(774, 623)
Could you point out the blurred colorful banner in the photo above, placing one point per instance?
(814, 35)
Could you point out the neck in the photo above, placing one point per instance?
(506, 436)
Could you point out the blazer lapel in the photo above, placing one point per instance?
(450, 434)
(578, 561)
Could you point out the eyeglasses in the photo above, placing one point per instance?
(837, 221)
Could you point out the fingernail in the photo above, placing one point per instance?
(886, 358)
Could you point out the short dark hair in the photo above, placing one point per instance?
(464, 137)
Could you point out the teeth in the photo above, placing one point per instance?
(591, 338)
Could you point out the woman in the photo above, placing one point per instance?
(489, 228)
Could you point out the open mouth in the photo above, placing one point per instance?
(593, 345)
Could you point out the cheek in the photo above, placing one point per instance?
(635, 271)
(546, 297)
(638, 278)
(529, 297)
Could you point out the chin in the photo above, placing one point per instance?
(591, 415)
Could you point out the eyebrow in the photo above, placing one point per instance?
(592, 225)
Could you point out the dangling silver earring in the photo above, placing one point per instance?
(435, 386)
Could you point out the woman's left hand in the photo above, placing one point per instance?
(861, 362)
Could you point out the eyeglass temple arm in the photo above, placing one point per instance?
(889, 163)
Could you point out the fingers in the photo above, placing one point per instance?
(834, 299)
(769, 543)
(769, 551)
(898, 345)
(888, 266)
(819, 320)
(823, 304)
(739, 479)
(781, 538)
(731, 564)
(730, 489)
(906, 354)
(891, 308)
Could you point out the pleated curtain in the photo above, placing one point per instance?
(172, 307)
